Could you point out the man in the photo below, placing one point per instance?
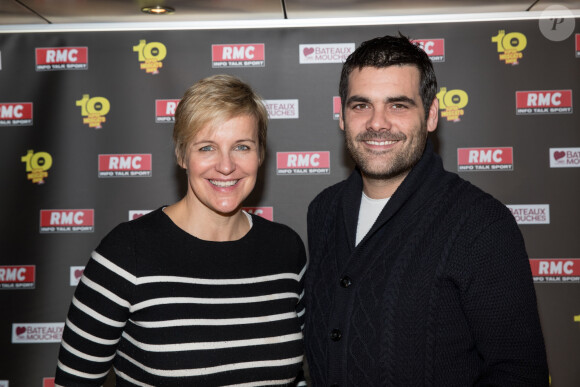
(416, 277)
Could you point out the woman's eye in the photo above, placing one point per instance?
(206, 148)
(242, 147)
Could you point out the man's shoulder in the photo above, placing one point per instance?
(475, 200)
(328, 194)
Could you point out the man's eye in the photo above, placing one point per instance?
(399, 106)
(360, 106)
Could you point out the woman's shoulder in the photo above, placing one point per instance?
(271, 227)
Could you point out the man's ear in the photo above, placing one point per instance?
(433, 116)
(341, 119)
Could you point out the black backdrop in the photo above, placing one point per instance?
(58, 201)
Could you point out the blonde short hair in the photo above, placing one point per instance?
(214, 100)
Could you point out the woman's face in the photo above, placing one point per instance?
(222, 164)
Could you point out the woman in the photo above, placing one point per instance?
(198, 293)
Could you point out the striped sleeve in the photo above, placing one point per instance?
(95, 322)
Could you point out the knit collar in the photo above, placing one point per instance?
(429, 168)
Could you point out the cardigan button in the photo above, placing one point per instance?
(335, 334)
(345, 281)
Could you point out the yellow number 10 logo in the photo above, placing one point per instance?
(150, 51)
(514, 41)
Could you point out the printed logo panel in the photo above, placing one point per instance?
(485, 159)
(31, 333)
(434, 48)
(577, 45)
(530, 213)
(136, 214)
(62, 58)
(510, 46)
(165, 110)
(94, 110)
(564, 157)
(452, 103)
(125, 165)
(543, 102)
(67, 221)
(150, 55)
(16, 114)
(18, 277)
(238, 55)
(303, 163)
(325, 53)
(37, 165)
(282, 108)
(555, 270)
(76, 272)
(48, 382)
(336, 107)
(264, 212)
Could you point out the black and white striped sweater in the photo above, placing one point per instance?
(167, 309)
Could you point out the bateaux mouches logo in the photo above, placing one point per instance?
(62, 58)
(303, 163)
(125, 165)
(17, 277)
(28, 333)
(76, 272)
(150, 55)
(55, 221)
(238, 55)
(264, 212)
(165, 110)
(136, 214)
(577, 45)
(564, 157)
(485, 159)
(336, 107)
(37, 165)
(510, 46)
(16, 114)
(434, 48)
(282, 108)
(555, 270)
(530, 213)
(94, 110)
(543, 102)
(452, 103)
(325, 53)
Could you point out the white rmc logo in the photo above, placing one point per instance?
(485, 156)
(67, 218)
(123, 162)
(303, 160)
(556, 268)
(58, 56)
(544, 99)
(238, 52)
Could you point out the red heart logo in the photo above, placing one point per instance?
(20, 330)
(559, 155)
(307, 51)
(78, 273)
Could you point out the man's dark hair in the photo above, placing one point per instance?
(391, 51)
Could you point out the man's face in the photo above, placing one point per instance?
(384, 120)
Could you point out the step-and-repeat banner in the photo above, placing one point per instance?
(85, 141)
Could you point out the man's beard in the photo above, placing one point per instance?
(400, 162)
